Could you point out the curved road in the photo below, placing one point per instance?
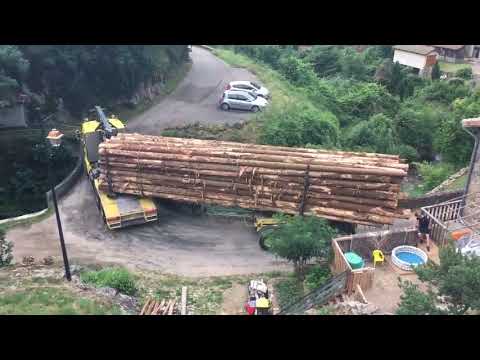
(180, 242)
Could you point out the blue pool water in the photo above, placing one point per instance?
(410, 258)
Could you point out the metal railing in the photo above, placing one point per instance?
(450, 216)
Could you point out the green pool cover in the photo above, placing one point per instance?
(355, 261)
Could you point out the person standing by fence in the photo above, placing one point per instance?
(423, 225)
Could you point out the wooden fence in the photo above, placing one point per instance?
(320, 296)
(362, 277)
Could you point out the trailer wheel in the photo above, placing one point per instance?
(261, 242)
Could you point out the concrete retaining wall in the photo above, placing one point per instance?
(430, 199)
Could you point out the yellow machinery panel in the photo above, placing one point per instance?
(118, 211)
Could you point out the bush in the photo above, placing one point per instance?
(443, 92)
(297, 71)
(406, 152)
(116, 278)
(298, 126)
(434, 174)
(465, 73)
(317, 276)
(6, 249)
(289, 291)
(376, 134)
(299, 239)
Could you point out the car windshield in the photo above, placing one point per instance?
(255, 85)
(252, 95)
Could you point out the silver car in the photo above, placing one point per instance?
(249, 86)
(242, 100)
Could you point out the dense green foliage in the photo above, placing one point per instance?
(116, 278)
(85, 75)
(297, 126)
(27, 159)
(455, 282)
(289, 291)
(299, 239)
(317, 276)
(433, 175)
(6, 248)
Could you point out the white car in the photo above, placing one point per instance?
(242, 100)
(249, 86)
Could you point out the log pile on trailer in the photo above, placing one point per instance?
(360, 188)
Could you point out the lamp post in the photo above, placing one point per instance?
(55, 139)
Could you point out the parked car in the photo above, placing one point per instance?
(249, 86)
(242, 100)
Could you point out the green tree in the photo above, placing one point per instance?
(436, 71)
(376, 135)
(414, 123)
(451, 140)
(416, 302)
(325, 60)
(465, 73)
(455, 280)
(297, 126)
(300, 239)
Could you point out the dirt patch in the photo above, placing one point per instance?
(234, 299)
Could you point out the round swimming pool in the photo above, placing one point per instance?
(407, 257)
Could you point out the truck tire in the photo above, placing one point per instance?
(261, 242)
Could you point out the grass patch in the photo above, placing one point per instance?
(458, 184)
(452, 68)
(117, 278)
(51, 301)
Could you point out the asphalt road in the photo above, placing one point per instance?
(180, 243)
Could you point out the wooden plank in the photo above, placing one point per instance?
(166, 308)
(150, 307)
(360, 294)
(183, 310)
(145, 306)
(172, 307)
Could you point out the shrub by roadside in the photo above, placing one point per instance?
(116, 278)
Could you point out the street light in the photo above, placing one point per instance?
(55, 139)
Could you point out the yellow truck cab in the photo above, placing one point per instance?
(117, 210)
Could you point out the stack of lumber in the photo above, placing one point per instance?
(152, 307)
(352, 187)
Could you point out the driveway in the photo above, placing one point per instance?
(180, 243)
(196, 98)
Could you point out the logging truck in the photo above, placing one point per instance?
(117, 210)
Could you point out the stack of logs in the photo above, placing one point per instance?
(360, 188)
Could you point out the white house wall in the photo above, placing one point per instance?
(409, 59)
